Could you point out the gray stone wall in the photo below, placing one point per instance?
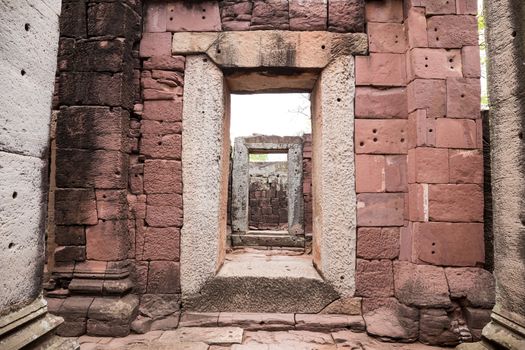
(28, 48)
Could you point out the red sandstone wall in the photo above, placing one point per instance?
(417, 141)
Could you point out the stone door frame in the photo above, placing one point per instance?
(320, 62)
(243, 146)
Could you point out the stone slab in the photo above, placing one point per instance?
(288, 49)
(209, 335)
(250, 283)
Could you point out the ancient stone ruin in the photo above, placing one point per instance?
(153, 220)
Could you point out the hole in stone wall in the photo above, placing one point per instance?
(514, 34)
(23, 72)
(27, 26)
(11, 245)
(15, 194)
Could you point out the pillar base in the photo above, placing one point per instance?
(33, 326)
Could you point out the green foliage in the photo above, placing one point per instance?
(256, 157)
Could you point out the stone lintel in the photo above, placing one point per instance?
(270, 48)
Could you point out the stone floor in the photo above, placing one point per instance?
(234, 338)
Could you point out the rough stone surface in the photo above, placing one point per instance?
(250, 49)
(377, 243)
(333, 182)
(435, 328)
(346, 15)
(222, 336)
(386, 317)
(28, 68)
(380, 103)
(374, 278)
(475, 285)
(420, 285)
(204, 141)
(380, 209)
(249, 282)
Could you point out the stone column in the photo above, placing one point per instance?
(506, 50)
(28, 48)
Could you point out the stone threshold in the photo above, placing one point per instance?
(257, 282)
(267, 238)
(274, 321)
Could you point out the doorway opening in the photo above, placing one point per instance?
(266, 197)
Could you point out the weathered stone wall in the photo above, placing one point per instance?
(307, 183)
(96, 141)
(268, 203)
(418, 160)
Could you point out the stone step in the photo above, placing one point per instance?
(30, 332)
(274, 321)
(257, 282)
(267, 239)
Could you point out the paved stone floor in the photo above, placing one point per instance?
(234, 338)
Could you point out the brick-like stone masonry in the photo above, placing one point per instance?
(418, 156)
(268, 202)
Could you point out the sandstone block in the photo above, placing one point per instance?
(270, 14)
(70, 253)
(96, 88)
(257, 321)
(467, 7)
(471, 61)
(162, 176)
(386, 37)
(159, 305)
(380, 209)
(70, 235)
(434, 63)
(161, 146)
(163, 110)
(466, 166)
(380, 103)
(477, 318)
(456, 133)
(449, 244)
(384, 136)
(421, 129)
(308, 15)
(101, 169)
(428, 94)
(455, 203)
(155, 18)
(168, 62)
(453, 31)
(370, 173)
(163, 277)
(114, 19)
(107, 241)
(435, 328)
(384, 11)
(428, 165)
(160, 127)
(463, 98)
(346, 15)
(374, 278)
(396, 173)
(378, 243)
(155, 44)
(163, 216)
(416, 28)
(199, 319)
(73, 20)
(162, 244)
(107, 55)
(475, 285)
(438, 7)
(325, 321)
(83, 200)
(418, 202)
(381, 69)
(92, 128)
(344, 306)
(420, 285)
(386, 317)
(203, 16)
(111, 204)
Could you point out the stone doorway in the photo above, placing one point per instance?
(210, 280)
(261, 196)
